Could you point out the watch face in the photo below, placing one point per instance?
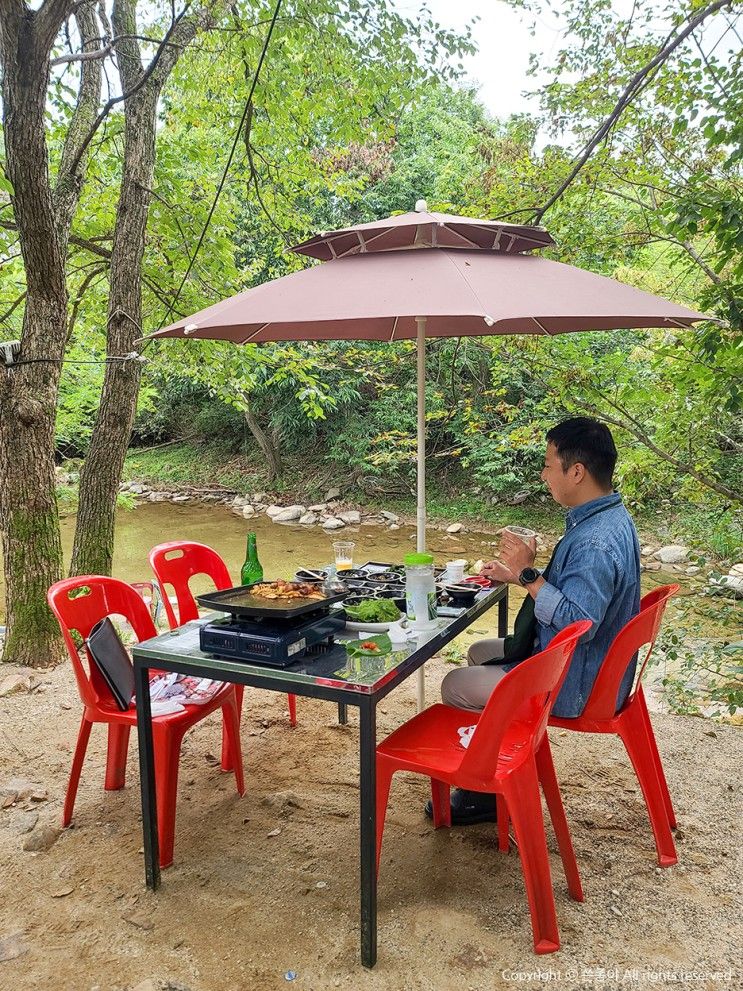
(528, 575)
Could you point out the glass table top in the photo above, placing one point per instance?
(333, 667)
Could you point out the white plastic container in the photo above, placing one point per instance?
(420, 591)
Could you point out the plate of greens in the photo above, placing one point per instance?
(375, 615)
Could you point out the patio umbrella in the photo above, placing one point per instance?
(425, 274)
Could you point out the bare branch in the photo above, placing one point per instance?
(638, 82)
(8, 313)
(145, 76)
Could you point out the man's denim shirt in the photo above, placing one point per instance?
(595, 574)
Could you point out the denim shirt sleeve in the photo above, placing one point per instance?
(587, 583)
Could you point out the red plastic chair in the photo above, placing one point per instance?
(508, 754)
(78, 604)
(174, 564)
(632, 724)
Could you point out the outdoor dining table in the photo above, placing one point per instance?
(334, 676)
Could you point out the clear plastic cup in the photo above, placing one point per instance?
(522, 532)
(343, 550)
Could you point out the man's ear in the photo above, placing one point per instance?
(579, 471)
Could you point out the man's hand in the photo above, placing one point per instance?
(498, 572)
(515, 554)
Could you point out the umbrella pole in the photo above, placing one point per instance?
(421, 507)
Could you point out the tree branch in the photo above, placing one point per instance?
(69, 181)
(635, 85)
(144, 77)
(50, 18)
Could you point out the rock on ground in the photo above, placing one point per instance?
(672, 554)
(332, 523)
(352, 516)
(42, 838)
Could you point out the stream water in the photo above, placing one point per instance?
(281, 548)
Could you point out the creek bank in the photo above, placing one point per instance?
(334, 513)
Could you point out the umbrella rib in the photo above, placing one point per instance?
(394, 328)
(250, 337)
(469, 285)
(542, 327)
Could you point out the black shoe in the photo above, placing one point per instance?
(468, 807)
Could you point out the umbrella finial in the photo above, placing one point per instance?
(421, 206)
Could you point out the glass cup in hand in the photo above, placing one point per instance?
(522, 532)
(343, 550)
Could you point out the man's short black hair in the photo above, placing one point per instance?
(582, 439)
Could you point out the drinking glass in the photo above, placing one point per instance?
(343, 550)
(522, 532)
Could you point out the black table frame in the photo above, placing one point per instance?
(153, 654)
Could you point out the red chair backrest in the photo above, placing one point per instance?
(79, 603)
(524, 697)
(174, 564)
(641, 629)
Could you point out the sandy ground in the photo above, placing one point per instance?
(241, 908)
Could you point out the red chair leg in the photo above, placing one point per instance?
(656, 758)
(77, 765)
(503, 823)
(551, 789)
(231, 727)
(384, 780)
(118, 747)
(167, 758)
(441, 804)
(634, 733)
(521, 792)
(226, 762)
(292, 710)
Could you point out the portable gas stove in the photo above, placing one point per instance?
(275, 642)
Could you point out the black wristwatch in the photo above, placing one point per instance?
(528, 575)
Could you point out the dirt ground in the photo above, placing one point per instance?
(244, 906)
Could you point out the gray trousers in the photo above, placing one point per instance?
(471, 687)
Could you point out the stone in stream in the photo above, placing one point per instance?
(332, 523)
(309, 519)
(289, 515)
(455, 528)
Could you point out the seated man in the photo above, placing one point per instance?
(594, 574)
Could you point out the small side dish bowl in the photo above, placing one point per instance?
(463, 595)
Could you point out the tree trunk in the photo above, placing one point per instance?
(32, 552)
(99, 479)
(267, 445)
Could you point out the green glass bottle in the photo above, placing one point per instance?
(251, 570)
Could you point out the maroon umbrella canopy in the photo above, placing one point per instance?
(379, 295)
(429, 275)
(424, 229)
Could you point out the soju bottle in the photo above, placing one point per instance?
(251, 571)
